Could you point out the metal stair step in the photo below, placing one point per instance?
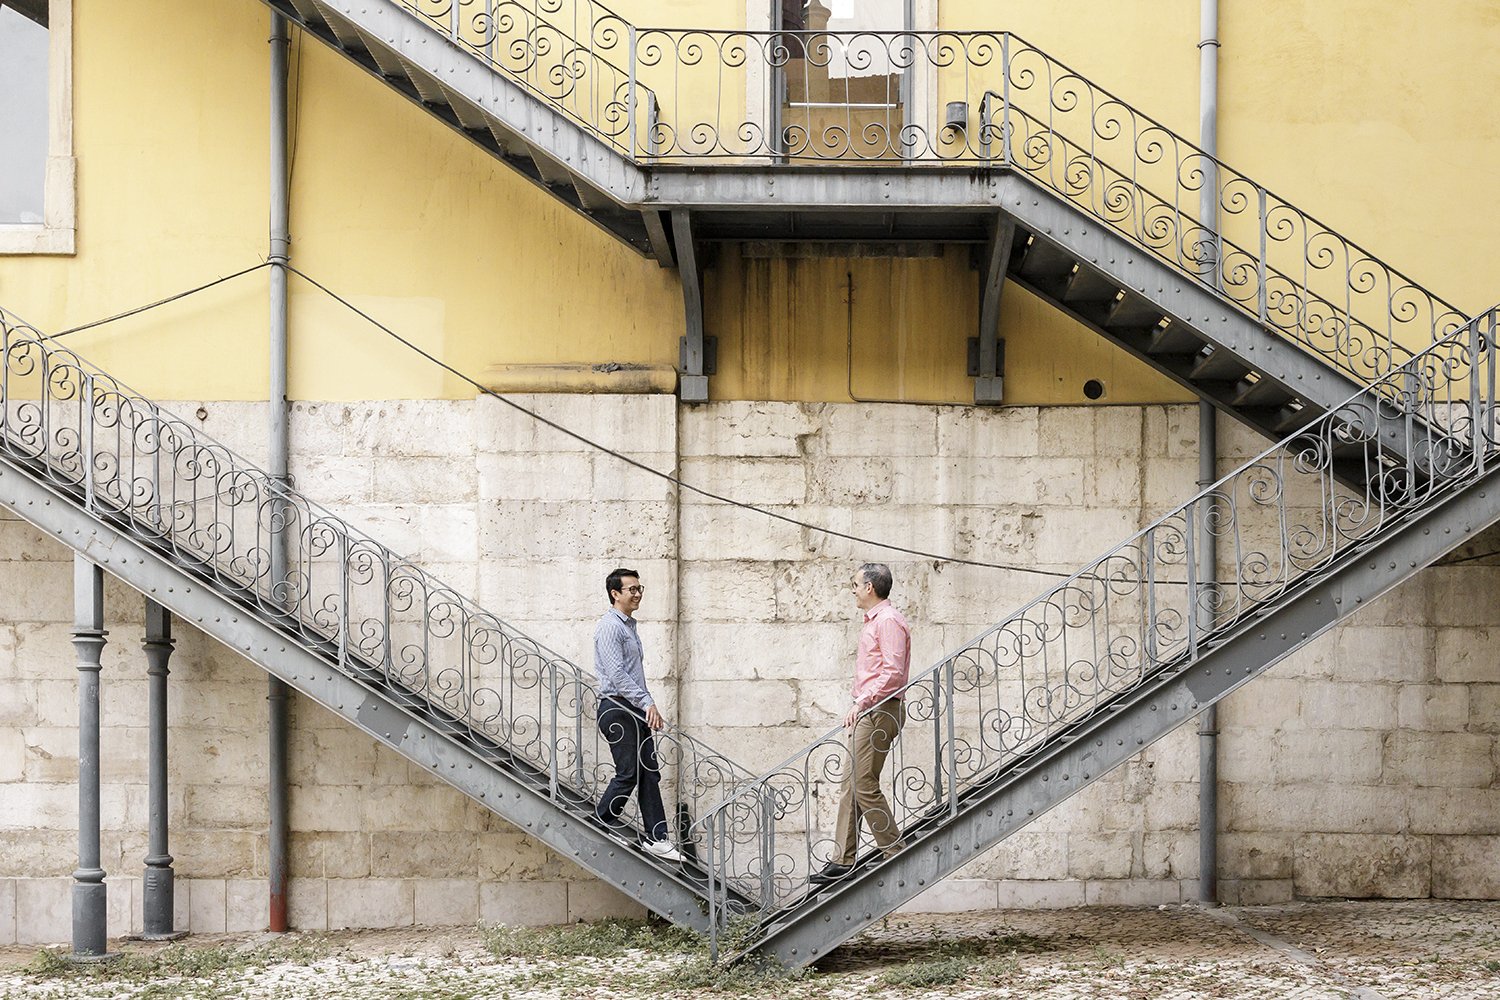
(308, 9)
(1173, 339)
(1257, 390)
(1044, 263)
(389, 63)
(343, 29)
(1218, 365)
(469, 116)
(1086, 289)
(1132, 310)
(428, 86)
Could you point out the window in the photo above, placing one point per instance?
(843, 94)
(37, 200)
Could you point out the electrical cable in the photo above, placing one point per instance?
(583, 439)
(159, 302)
(666, 476)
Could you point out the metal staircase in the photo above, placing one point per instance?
(1113, 658)
(672, 137)
(1031, 710)
(365, 633)
(668, 138)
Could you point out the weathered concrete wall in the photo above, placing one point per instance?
(1364, 765)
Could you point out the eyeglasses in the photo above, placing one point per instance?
(637, 590)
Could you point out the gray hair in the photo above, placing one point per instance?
(878, 576)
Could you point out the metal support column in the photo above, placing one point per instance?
(276, 694)
(157, 882)
(990, 381)
(693, 386)
(90, 895)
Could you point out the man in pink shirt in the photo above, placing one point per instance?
(880, 671)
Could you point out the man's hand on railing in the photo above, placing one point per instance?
(654, 719)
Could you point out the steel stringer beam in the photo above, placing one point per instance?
(660, 888)
(1087, 752)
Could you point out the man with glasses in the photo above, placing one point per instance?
(881, 666)
(628, 716)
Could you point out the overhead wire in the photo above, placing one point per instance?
(665, 476)
(159, 302)
(579, 437)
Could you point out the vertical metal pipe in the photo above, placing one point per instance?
(1208, 461)
(90, 895)
(157, 882)
(279, 446)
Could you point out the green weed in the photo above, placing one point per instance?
(604, 939)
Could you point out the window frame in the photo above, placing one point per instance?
(761, 91)
(57, 234)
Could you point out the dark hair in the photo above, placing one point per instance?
(616, 581)
(878, 576)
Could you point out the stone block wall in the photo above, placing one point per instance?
(1364, 765)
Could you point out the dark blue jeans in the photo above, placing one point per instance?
(636, 767)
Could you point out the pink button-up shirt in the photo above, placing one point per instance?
(884, 657)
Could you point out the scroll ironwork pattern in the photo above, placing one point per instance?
(1282, 521)
(372, 613)
(689, 95)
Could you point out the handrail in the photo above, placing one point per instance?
(873, 98)
(1283, 522)
(376, 615)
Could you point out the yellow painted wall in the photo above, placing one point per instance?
(1378, 117)
(789, 328)
(410, 220)
(1381, 119)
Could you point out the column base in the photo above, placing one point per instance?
(157, 885)
(90, 920)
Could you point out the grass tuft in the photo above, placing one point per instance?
(173, 961)
(925, 973)
(604, 939)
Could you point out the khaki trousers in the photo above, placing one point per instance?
(871, 741)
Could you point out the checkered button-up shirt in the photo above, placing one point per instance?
(619, 660)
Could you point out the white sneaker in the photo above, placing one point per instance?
(663, 849)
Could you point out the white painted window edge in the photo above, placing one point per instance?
(58, 234)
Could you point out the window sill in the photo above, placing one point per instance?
(38, 240)
(58, 235)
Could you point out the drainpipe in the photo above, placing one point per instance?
(1208, 461)
(277, 693)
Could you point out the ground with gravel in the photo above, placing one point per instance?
(1305, 951)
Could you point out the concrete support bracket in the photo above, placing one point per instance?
(90, 894)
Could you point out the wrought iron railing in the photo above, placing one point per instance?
(1282, 522)
(372, 613)
(933, 98)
